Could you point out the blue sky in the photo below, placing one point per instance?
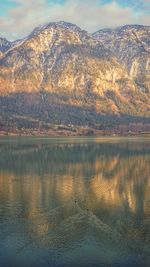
(19, 17)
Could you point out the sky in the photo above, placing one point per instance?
(19, 17)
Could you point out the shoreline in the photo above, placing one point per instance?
(70, 134)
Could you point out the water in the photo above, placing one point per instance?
(72, 202)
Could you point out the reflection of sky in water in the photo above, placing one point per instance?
(63, 204)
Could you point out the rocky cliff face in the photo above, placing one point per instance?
(131, 45)
(60, 65)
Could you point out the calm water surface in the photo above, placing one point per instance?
(74, 202)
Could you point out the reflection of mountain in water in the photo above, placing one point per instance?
(67, 230)
(112, 173)
(107, 186)
(42, 158)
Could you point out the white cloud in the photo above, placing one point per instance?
(86, 14)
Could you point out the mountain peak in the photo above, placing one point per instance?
(67, 25)
(60, 24)
(132, 26)
(124, 28)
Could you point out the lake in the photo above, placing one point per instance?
(74, 202)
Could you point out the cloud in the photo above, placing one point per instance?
(89, 15)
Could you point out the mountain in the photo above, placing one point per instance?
(60, 74)
(59, 58)
(131, 45)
